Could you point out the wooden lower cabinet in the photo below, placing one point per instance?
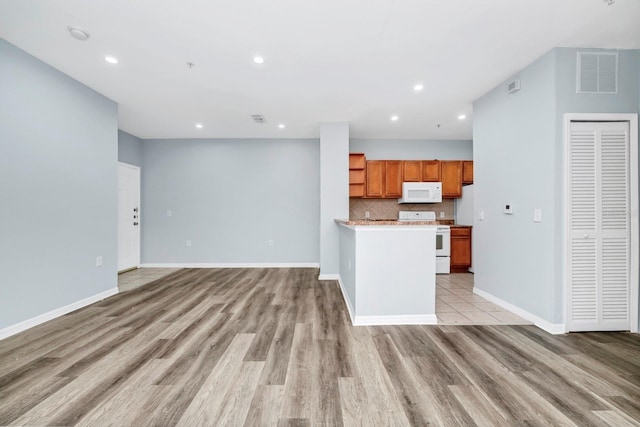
(460, 249)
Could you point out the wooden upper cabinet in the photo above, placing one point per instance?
(411, 171)
(393, 178)
(451, 178)
(467, 172)
(431, 170)
(356, 161)
(384, 178)
(375, 178)
(357, 164)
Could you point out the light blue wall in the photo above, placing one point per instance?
(403, 149)
(519, 159)
(514, 163)
(58, 157)
(230, 197)
(129, 149)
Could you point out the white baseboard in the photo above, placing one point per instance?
(329, 277)
(45, 317)
(347, 300)
(552, 328)
(230, 265)
(415, 319)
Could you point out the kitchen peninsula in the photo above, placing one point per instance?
(388, 271)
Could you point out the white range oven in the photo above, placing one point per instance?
(443, 238)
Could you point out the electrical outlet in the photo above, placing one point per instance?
(99, 261)
(270, 242)
(441, 214)
(481, 216)
(169, 213)
(188, 243)
(367, 214)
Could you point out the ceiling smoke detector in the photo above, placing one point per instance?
(78, 33)
(258, 118)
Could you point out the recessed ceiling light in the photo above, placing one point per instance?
(258, 59)
(111, 59)
(281, 125)
(394, 118)
(418, 87)
(78, 33)
(199, 125)
(462, 117)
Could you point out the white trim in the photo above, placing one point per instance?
(552, 328)
(329, 277)
(409, 319)
(230, 265)
(45, 317)
(347, 300)
(634, 255)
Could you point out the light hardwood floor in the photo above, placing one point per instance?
(275, 347)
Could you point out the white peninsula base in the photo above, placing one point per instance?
(388, 273)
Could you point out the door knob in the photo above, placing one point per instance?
(135, 209)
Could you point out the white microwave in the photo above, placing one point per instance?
(421, 192)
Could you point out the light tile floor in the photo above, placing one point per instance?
(135, 278)
(456, 304)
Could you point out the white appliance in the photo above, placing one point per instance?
(443, 238)
(421, 192)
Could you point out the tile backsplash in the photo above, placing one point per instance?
(389, 208)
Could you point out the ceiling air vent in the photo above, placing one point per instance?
(597, 72)
(513, 86)
(258, 118)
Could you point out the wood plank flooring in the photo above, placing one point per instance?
(275, 347)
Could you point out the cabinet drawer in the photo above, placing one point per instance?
(460, 231)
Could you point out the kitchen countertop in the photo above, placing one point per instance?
(375, 222)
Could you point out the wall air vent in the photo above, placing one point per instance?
(513, 86)
(597, 72)
(258, 118)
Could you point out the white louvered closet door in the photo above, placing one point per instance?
(599, 243)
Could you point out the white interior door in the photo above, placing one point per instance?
(128, 216)
(599, 247)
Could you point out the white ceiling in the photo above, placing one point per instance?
(325, 60)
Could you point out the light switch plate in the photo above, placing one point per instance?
(537, 215)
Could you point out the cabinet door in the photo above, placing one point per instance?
(411, 171)
(393, 178)
(451, 178)
(467, 172)
(375, 178)
(431, 171)
(460, 249)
